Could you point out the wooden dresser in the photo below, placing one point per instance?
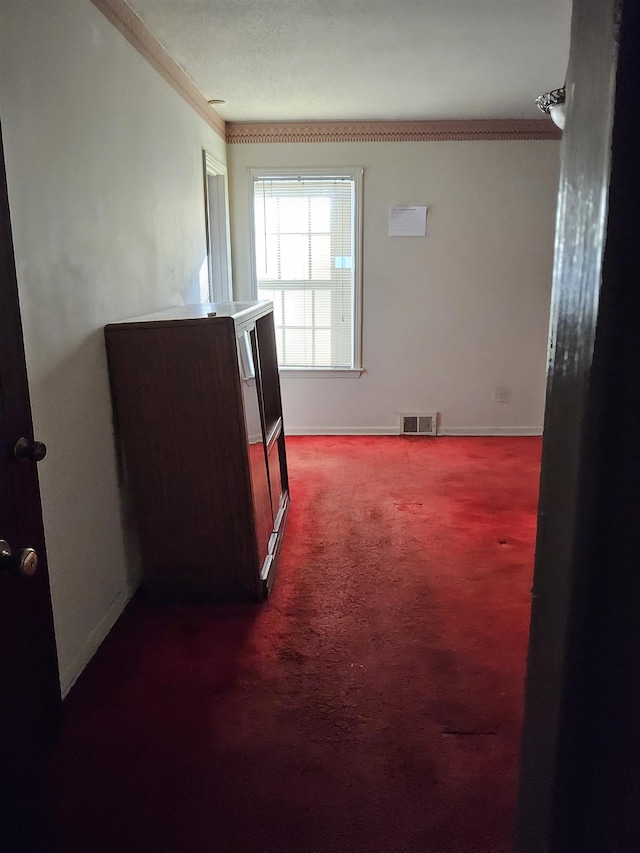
(198, 419)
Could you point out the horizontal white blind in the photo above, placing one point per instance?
(304, 246)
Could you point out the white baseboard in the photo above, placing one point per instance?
(69, 675)
(498, 431)
(393, 430)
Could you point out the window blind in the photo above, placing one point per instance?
(304, 250)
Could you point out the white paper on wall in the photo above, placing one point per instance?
(408, 221)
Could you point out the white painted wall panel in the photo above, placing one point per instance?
(104, 167)
(447, 318)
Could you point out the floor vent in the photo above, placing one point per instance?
(418, 424)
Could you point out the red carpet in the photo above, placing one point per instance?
(373, 704)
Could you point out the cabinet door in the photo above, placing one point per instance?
(255, 447)
(275, 475)
(267, 369)
(270, 379)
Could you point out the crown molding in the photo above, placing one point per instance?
(391, 131)
(125, 20)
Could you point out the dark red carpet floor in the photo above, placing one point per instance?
(373, 704)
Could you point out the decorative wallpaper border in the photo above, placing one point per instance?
(391, 131)
(125, 20)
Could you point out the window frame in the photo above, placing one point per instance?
(355, 173)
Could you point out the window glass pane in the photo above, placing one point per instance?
(266, 256)
(322, 307)
(258, 215)
(320, 214)
(294, 257)
(271, 211)
(321, 258)
(293, 215)
(265, 213)
(342, 338)
(279, 348)
(323, 347)
(298, 308)
(299, 347)
(276, 297)
(273, 295)
(277, 307)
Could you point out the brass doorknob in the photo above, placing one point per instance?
(23, 563)
(33, 450)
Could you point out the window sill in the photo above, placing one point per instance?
(321, 372)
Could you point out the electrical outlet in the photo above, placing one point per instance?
(502, 394)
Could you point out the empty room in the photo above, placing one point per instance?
(277, 288)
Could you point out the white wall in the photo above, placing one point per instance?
(104, 167)
(449, 318)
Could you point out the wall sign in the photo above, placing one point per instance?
(408, 221)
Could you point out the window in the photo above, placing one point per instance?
(307, 261)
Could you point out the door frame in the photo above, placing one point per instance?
(216, 197)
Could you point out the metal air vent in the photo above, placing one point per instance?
(418, 423)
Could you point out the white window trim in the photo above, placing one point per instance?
(356, 173)
(321, 372)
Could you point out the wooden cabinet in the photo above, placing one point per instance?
(198, 418)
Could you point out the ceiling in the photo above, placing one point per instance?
(305, 60)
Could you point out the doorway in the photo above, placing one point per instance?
(218, 286)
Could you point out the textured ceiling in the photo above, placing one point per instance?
(276, 60)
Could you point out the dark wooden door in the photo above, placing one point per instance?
(580, 779)
(29, 685)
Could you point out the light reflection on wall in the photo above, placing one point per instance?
(205, 287)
